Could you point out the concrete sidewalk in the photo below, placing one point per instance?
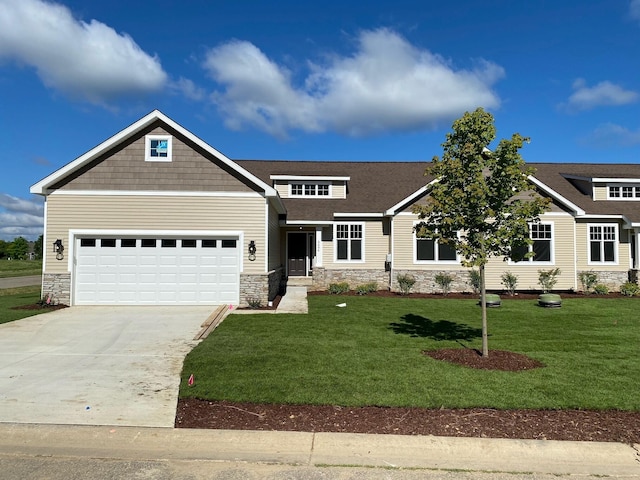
(294, 301)
(323, 449)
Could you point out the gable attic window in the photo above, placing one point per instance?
(158, 148)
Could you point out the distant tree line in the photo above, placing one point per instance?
(20, 248)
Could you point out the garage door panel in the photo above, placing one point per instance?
(201, 272)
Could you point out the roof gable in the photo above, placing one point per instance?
(155, 118)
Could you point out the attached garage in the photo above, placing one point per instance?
(156, 270)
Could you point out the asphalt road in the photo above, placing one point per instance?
(12, 282)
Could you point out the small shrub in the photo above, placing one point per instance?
(254, 303)
(475, 280)
(510, 282)
(406, 283)
(629, 289)
(601, 289)
(588, 280)
(338, 288)
(548, 278)
(366, 288)
(443, 280)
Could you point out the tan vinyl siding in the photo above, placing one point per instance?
(339, 190)
(376, 247)
(527, 272)
(600, 192)
(146, 212)
(125, 168)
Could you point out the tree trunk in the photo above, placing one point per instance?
(483, 303)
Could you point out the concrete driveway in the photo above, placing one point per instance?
(96, 365)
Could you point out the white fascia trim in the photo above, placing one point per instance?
(354, 215)
(603, 179)
(309, 177)
(625, 220)
(411, 198)
(41, 187)
(556, 196)
(155, 193)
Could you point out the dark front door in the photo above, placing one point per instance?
(297, 254)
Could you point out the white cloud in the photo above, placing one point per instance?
(20, 217)
(90, 61)
(603, 94)
(187, 88)
(612, 135)
(387, 84)
(634, 9)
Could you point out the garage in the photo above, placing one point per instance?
(126, 270)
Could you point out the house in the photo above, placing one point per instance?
(155, 215)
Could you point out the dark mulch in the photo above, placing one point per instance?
(496, 360)
(37, 306)
(523, 295)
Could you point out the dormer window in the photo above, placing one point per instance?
(623, 192)
(310, 189)
(158, 148)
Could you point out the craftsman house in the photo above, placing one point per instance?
(155, 215)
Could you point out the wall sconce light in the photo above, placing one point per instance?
(252, 250)
(58, 249)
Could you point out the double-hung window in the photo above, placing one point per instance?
(603, 241)
(428, 250)
(349, 241)
(541, 234)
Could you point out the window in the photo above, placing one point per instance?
(542, 236)
(603, 241)
(623, 192)
(189, 243)
(207, 243)
(349, 241)
(158, 148)
(430, 250)
(168, 243)
(87, 242)
(315, 189)
(108, 242)
(148, 243)
(128, 242)
(228, 244)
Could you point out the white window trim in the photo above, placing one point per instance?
(531, 261)
(309, 182)
(616, 244)
(335, 242)
(430, 262)
(147, 148)
(634, 198)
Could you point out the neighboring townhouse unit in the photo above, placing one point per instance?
(154, 215)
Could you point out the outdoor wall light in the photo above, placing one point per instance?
(58, 249)
(252, 250)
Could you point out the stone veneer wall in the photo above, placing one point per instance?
(426, 281)
(323, 277)
(58, 285)
(261, 287)
(612, 279)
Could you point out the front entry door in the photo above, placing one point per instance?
(297, 254)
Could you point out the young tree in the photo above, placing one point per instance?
(478, 202)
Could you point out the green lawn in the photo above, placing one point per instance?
(19, 268)
(369, 353)
(16, 297)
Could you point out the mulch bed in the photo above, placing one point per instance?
(577, 425)
(37, 306)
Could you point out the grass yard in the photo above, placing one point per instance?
(19, 268)
(16, 297)
(369, 353)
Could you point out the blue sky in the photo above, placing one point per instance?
(330, 80)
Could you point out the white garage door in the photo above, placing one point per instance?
(157, 271)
